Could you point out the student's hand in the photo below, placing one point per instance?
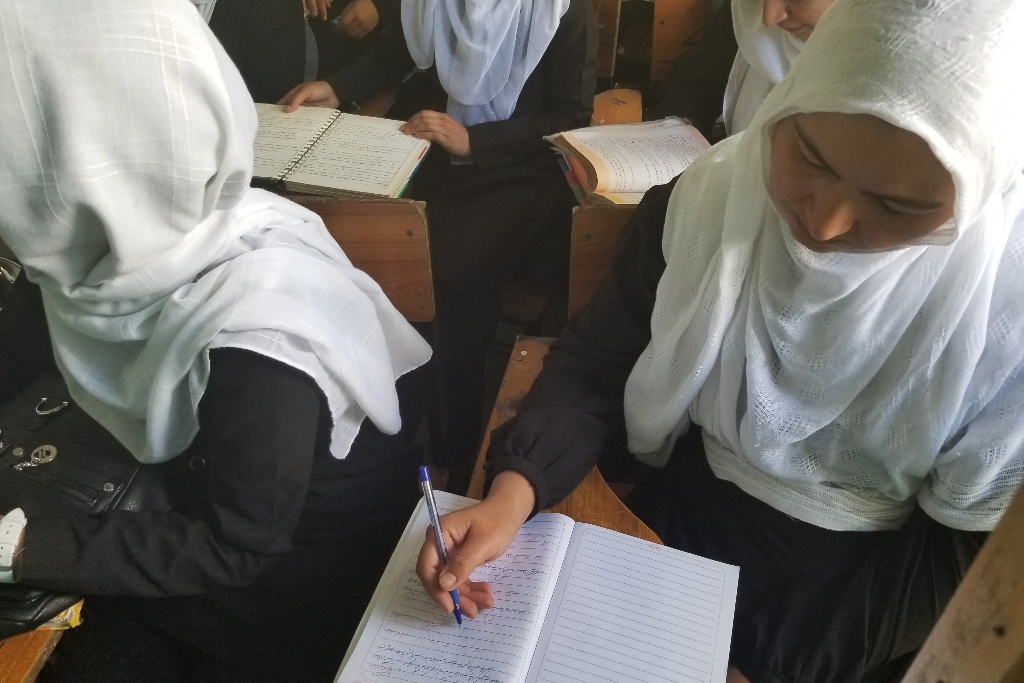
(358, 19)
(473, 536)
(312, 94)
(317, 8)
(442, 129)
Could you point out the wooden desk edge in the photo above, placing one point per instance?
(22, 657)
(591, 502)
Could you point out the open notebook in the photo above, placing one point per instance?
(573, 602)
(324, 151)
(617, 164)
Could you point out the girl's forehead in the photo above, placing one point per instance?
(873, 153)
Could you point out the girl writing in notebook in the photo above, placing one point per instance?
(814, 338)
(509, 72)
(218, 332)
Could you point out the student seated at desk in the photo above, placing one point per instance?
(815, 337)
(769, 35)
(213, 328)
(512, 71)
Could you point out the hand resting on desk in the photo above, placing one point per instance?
(475, 535)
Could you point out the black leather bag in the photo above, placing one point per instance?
(90, 472)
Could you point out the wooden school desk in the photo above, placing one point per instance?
(592, 501)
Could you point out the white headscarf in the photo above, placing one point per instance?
(763, 58)
(484, 49)
(124, 189)
(837, 387)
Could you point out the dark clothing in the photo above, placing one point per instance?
(507, 212)
(266, 39)
(335, 48)
(273, 545)
(694, 86)
(265, 481)
(813, 604)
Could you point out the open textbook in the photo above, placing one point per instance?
(324, 151)
(617, 164)
(572, 602)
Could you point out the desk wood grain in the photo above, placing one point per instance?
(22, 657)
(389, 241)
(592, 501)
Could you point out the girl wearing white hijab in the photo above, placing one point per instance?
(200, 322)
(815, 342)
(769, 35)
(760, 39)
(506, 73)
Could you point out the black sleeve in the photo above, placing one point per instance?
(388, 12)
(258, 420)
(25, 349)
(562, 426)
(569, 72)
(384, 64)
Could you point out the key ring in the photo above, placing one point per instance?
(40, 456)
(42, 412)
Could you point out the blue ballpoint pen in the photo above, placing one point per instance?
(435, 521)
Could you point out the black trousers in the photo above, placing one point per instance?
(264, 566)
(813, 604)
(486, 227)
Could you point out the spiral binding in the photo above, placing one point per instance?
(314, 141)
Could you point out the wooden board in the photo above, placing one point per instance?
(620, 105)
(22, 657)
(595, 232)
(675, 23)
(592, 501)
(389, 241)
(980, 636)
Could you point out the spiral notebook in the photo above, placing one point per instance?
(327, 152)
(573, 602)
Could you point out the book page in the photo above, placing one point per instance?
(405, 636)
(281, 137)
(628, 610)
(361, 154)
(635, 157)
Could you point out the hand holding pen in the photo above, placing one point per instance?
(476, 535)
(435, 523)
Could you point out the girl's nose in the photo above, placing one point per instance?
(773, 12)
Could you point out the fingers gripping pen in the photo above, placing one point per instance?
(435, 522)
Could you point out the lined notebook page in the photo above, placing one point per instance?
(629, 610)
(406, 637)
(361, 154)
(281, 137)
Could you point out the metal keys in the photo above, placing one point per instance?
(40, 456)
